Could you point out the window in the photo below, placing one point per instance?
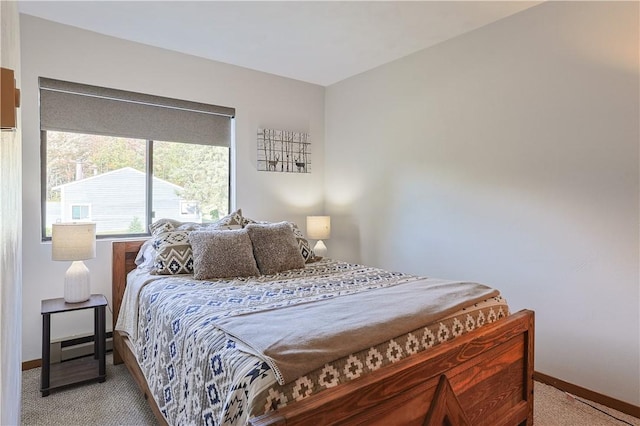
(80, 212)
(124, 169)
(189, 208)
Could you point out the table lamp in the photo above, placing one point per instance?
(75, 242)
(319, 228)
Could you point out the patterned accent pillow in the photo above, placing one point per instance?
(275, 247)
(222, 254)
(173, 253)
(303, 244)
(163, 225)
(233, 220)
(246, 221)
(172, 250)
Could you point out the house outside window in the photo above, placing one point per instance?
(124, 183)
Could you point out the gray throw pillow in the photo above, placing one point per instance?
(222, 254)
(303, 244)
(275, 247)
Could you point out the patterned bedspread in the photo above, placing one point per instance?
(200, 375)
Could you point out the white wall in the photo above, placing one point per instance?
(508, 156)
(10, 235)
(261, 100)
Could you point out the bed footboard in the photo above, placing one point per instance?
(482, 378)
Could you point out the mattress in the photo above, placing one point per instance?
(200, 374)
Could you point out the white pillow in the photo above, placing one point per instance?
(144, 258)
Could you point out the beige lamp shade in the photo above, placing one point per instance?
(73, 241)
(318, 227)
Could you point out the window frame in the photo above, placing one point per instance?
(149, 214)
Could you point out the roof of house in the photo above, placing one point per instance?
(121, 171)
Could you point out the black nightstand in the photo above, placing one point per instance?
(80, 370)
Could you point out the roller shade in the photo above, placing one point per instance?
(80, 108)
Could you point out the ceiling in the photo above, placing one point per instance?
(320, 42)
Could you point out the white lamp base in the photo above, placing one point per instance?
(76, 283)
(320, 249)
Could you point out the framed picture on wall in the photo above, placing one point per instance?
(283, 151)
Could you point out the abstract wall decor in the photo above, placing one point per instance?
(284, 151)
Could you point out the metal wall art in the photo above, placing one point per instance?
(283, 151)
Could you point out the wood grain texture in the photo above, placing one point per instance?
(73, 372)
(445, 409)
(486, 369)
(490, 372)
(123, 262)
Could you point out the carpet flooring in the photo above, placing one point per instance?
(119, 402)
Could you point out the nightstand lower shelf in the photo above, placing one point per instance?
(76, 371)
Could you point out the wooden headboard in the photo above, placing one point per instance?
(123, 262)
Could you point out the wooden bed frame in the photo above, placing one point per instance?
(484, 377)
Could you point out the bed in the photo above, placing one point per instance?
(483, 376)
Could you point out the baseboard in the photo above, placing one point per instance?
(616, 404)
(34, 363)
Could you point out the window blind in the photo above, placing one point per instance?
(81, 108)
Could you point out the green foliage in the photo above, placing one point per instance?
(201, 170)
(135, 227)
(94, 154)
